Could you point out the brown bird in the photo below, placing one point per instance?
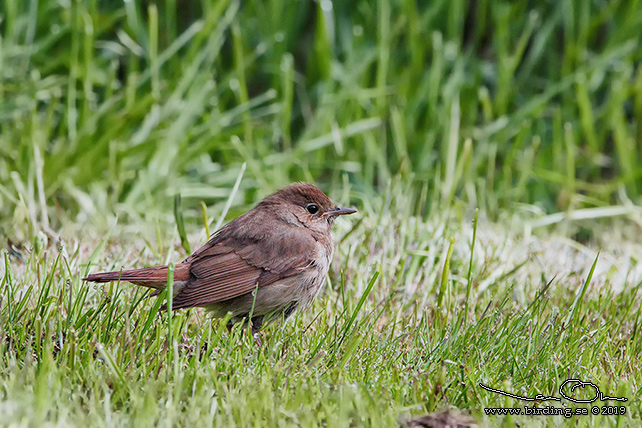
(266, 263)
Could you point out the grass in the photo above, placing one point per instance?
(375, 349)
(129, 132)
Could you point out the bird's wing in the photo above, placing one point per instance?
(231, 266)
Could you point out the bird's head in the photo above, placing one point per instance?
(306, 204)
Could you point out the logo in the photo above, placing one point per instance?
(570, 389)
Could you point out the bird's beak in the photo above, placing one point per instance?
(340, 211)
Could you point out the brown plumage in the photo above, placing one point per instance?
(281, 249)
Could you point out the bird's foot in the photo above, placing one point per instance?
(257, 339)
(257, 322)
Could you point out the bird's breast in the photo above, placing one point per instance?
(324, 253)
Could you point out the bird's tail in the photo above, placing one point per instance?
(155, 277)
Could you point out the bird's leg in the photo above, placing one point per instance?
(257, 323)
(290, 310)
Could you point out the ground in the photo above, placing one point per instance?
(390, 338)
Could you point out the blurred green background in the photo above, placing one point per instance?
(116, 107)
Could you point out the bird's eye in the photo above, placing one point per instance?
(312, 208)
